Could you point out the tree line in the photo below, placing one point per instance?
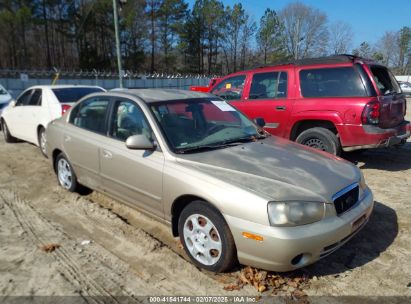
(168, 36)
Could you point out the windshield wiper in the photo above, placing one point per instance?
(224, 144)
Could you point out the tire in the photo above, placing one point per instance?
(321, 139)
(41, 136)
(65, 174)
(8, 138)
(212, 233)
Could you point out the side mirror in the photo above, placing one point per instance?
(139, 142)
(12, 103)
(259, 122)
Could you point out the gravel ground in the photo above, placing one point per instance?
(130, 254)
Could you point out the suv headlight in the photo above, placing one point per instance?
(295, 213)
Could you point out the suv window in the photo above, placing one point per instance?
(332, 82)
(91, 114)
(385, 81)
(24, 99)
(35, 99)
(230, 88)
(268, 85)
(128, 119)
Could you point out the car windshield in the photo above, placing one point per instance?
(69, 95)
(206, 123)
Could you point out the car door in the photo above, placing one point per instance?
(266, 97)
(33, 114)
(14, 116)
(134, 176)
(83, 138)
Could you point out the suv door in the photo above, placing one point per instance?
(84, 136)
(135, 176)
(393, 102)
(267, 98)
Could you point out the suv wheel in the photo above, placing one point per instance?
(321, 139)
(206, 237)
(65, 174)
(6, 133)
(42, 141)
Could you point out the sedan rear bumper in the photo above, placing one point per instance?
(289, 248)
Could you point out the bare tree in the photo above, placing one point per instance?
(388, 47)
(341, 36)
(306, 33)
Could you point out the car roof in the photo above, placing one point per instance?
(62, 86)
(156, 95)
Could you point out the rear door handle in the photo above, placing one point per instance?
(280, 108)
(107, 154)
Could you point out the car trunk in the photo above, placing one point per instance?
(392, 101)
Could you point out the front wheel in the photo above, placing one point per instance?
(206, 237)
(321, 139)
(65, 174)
(8, 138)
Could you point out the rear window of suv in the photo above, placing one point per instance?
(332, 82)
(384, 80)
(68, 95)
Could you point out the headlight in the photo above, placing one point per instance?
(363, 186)
(295, 213)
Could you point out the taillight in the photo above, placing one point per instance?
(64, 109)
(371, 113)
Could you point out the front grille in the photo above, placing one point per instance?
(346, 198)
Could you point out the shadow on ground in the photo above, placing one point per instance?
(390, 159)
(367, 245)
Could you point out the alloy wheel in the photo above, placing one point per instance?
(64, 173)
(202, 239)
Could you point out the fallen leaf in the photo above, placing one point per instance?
(49, 247)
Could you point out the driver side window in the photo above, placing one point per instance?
(128, 120)
(230, 88)
(24, 99)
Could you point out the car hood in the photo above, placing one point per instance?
(277, 169)
(5, 98)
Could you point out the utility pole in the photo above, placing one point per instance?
(120, 70)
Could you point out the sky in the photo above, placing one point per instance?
(369, 19)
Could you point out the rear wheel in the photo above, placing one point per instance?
(6, 133)
(42, 141)
(206, 237)
(321, 139)
(65, 174)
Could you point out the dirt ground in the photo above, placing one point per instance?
(107, 249)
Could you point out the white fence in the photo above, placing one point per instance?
(406, 78)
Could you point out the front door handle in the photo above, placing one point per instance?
(107, 154)
(280, 108)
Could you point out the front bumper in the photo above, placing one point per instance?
(289, 248)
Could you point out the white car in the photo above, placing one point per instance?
(5, 98)
(405, 87)
(28, 116)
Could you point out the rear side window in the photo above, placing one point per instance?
(35, 99)
(230, 88)
(69, 95)
(91, 115)
(385, 81)
(268, 85)
(332, 82)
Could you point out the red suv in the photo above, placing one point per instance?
(330, 103)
